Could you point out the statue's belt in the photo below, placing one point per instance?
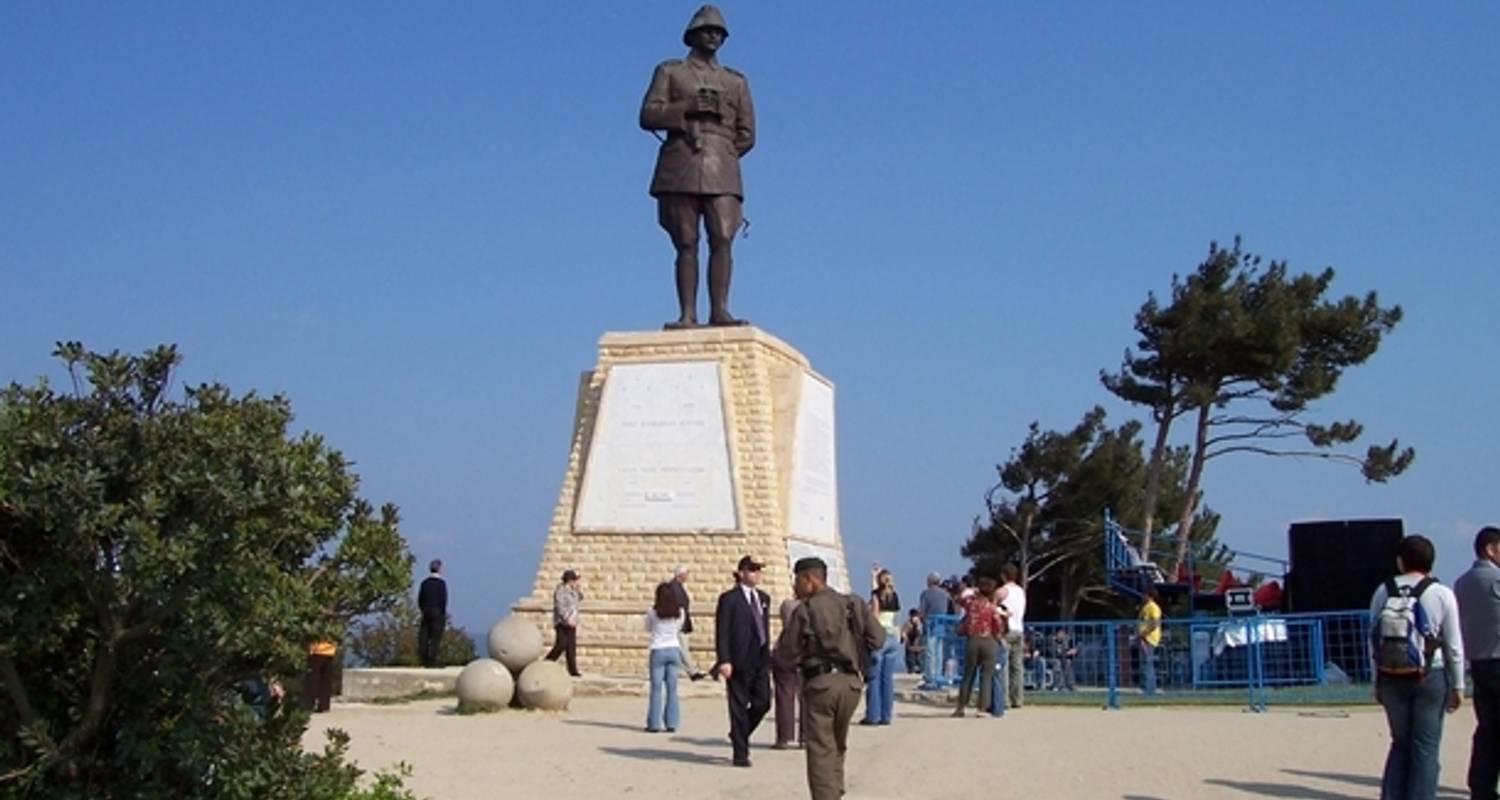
(701, 129)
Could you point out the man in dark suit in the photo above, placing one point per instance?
(742, 636)
(432, 601)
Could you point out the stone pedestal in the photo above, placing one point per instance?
(689, 447)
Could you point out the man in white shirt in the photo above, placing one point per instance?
(1013, 600)
(1415, 698)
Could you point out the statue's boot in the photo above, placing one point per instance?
(680, 324)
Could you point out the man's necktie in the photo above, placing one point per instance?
(760, 619)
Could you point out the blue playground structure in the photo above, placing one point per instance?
(1246, 651)
(1131, 573)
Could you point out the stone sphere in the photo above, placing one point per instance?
(545, 686)
(485, 684)
(515, 643)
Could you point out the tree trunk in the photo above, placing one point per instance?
(1067, 597)
(1025, 536)
(1153, 478)
(1195, 475)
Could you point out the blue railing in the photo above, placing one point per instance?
(1258, 660)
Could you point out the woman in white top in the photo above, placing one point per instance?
(664, 622)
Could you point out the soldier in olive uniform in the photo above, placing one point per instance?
(705, 109)
(829, 637)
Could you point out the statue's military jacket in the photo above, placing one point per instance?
(700, 155)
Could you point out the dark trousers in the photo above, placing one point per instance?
(1484, 759)
(429, 638)
(567, 643)
(788, 684)
(979, 662)
(828, 703)
(749, 700)
(317, 684)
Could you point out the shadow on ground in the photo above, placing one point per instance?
(660, 754)
(1292, 790)
(596, 723)
(1298, 791)
(1372, 781)
(704, 741)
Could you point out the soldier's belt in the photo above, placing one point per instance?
(808, 673)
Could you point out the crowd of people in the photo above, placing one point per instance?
(842, 647)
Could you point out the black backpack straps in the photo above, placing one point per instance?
(1391, 589)
(1421, 586)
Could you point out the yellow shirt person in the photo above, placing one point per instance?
(1149, 628)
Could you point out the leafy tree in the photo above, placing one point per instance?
(389, 639)
(1246, 350)
(1046, 511)
(158, 556)
(1036, 472)
(1150, 378)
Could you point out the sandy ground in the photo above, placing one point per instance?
(598, 749)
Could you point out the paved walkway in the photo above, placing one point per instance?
(598, 750)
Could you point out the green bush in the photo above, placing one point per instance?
(389, 639)
(156, 555)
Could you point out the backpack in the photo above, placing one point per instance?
(1403, 637)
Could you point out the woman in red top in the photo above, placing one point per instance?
(984, 624)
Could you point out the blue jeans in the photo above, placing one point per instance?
(664, 665)
(1148, 667)
(998, 681)
(1414, 709)
(1484, 759)
(880, 690)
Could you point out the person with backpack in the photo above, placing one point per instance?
(1418, 659)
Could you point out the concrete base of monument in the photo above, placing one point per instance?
(376, 684)
(690, 448)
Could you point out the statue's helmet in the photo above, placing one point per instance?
(708, 16)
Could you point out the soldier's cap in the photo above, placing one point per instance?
(707, 16)
(809, 563)
(749, 564)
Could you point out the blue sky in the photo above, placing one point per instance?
(416, 223)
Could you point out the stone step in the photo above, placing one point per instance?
(364, 684)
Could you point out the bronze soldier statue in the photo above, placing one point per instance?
(709, 121)
(829, 637)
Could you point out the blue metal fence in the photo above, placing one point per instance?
(1256, 660)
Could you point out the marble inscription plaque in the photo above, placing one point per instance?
(831, 556)
(659, 461)
(814, 511)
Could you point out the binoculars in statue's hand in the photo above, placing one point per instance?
(705, 103)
